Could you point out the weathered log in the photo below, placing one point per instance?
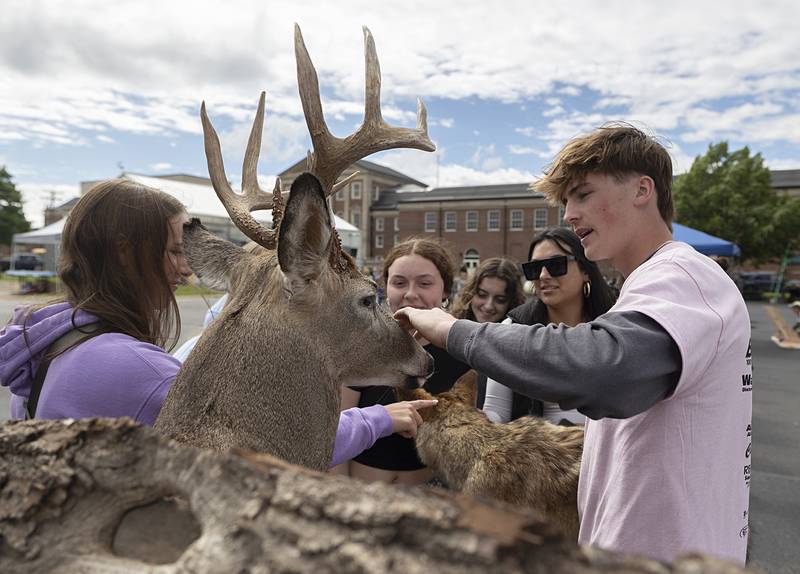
(104, 495)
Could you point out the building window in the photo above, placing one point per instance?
(471, 260)
(397, 223)
(540, 218)
(340, 195)
(517, 218)
(379, 241)
(379, 224)
(561, 222)
(375, 191)
(472, 221)
(493, 220)
(430, 222)
(355, 190)
(450, 221)
(356, 218)
(396, 239)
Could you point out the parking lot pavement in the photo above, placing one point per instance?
(775, 494)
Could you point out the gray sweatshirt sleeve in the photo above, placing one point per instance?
(616, 366)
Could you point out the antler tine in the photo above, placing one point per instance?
(333, 155)
(372, 94)
(257, 199)
(342, 182)
(237, 205)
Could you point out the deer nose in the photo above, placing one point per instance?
(413, 382)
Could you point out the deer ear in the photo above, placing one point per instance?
(304, 239)
(210, 257)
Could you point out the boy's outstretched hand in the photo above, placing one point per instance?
(431, 324)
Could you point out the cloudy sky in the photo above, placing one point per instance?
(91, 87)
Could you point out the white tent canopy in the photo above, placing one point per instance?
(48, 236)
(200, 200)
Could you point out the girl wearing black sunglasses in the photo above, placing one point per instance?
(569, 289)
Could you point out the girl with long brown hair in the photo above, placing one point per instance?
(121, 259)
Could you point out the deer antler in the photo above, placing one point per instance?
(333, 155)
(252, 198)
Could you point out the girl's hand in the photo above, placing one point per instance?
(405, 418)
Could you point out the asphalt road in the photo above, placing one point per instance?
(775, 485)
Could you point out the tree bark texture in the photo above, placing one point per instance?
(107, 495)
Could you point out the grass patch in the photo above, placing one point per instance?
(195, 290)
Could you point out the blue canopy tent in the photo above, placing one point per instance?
(703, 242)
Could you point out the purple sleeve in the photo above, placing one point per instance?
(358, 430)
(148, 414)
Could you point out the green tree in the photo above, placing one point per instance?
(12, 219)
(730, 195)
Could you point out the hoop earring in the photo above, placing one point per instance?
(587, 289)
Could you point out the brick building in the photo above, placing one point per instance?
(475, 222)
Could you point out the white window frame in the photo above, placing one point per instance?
(397, 223)
(379, 224)
(340, 195)
(356, 211)
(396, 239)
(355, 190)
(490, 224)
(450, 217)
(516, 220)
(475, 217)
(379, 241)
(375, 191)
(431, 221)
(536, 213)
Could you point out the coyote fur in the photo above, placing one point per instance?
(528, 462)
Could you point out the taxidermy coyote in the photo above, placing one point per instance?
(528, 462)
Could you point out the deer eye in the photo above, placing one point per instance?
(368, 301)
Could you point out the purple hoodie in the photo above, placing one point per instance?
(110, 375)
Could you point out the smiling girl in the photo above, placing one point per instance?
(493, 289)
(418, 273)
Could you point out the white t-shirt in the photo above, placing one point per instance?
(499, 402)
(676, 478)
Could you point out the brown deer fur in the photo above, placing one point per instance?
(528, 462)
(266, 374)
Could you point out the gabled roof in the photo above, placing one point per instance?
(391, 198)
(67, 204)
(785, 177)
(366, 166)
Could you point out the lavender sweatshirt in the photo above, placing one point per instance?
(115, 375)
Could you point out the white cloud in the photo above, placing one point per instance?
(453, 175)
(779, 163)
(37, 196)
(161, 166)
(554, 111)
(526, 131)
(425, 168)
(522, 150)
(99, 70)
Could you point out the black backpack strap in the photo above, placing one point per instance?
(66, 340)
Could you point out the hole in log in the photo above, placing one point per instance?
(156, 533)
